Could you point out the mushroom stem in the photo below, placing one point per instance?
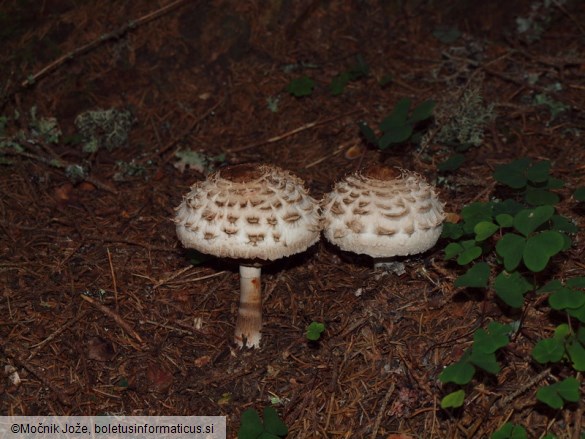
(249, 320)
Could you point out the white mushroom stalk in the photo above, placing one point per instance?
(383, 212)
(251, 213)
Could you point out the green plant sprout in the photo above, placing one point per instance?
(556, 394)
(340, 81)
(300, 87)
(519, 237)
(579, 194)
(314, 331)
(481, 355)
(446, 34)
(510, 431)
(531, 179)
(252, 427)
(399, 126)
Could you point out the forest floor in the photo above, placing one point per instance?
(102, 310)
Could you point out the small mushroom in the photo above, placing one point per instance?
(383, 212)
(251, 213)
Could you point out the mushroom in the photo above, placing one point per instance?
(383, 212)
(251, 213)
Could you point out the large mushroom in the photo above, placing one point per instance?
(251, 213)
(383, 212)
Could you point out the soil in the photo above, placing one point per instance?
(102, 310)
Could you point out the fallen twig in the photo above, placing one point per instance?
(114, 284)
(37, 347)
(62, 164)
(131, 25)
(116, 317)
(291, 132)
(382, 410)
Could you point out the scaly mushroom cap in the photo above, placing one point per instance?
(383, 212)
(249, 212)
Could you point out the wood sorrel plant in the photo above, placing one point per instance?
(516, 240)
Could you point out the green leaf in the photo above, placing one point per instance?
(485, 361)
(550, 287)
(556, 394)
(452, 163)
(453, 399)
(459, 373)
(314, 331)
(565, 298)
(578, 313)
(549, 350)
(446, 34)
(469, 253)
(569, 389)
(452, 249)
(423, 111)
(563, 224)
(398, 117)
(509, 431)
(250, 425)
(494, 338)
(474, 213)
(576, 353)
(476, 277)
(272, 423)
(579, 194)
(338, 83)
(511, 287)
(562, 332)
(540, 197)
(484, 229)
(511, 248)
(360, 69)
(554, 183)
(452, 231)
(368, 133)
(540, 248)
(397, 134)
(528, 220)
(505, 220)
(300, 87)
(550, 397)
(509, 206)
(539, 172)
(576, 282)
(513, 174)
(581, 335)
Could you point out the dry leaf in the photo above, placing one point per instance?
(202, 361)
(160, 379)
(99, 349)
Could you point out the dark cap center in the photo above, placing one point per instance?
(381, 172)
(242, 173)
